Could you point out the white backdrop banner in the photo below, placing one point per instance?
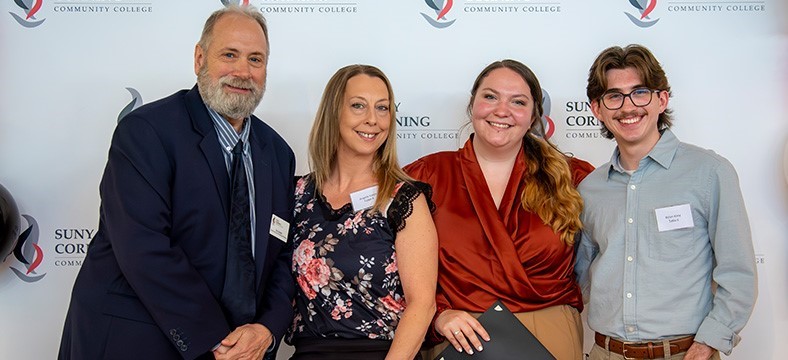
(72, 68)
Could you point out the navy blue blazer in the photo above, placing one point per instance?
(150, 282)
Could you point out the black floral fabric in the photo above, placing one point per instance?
(345, 265)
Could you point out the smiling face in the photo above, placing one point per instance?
(502, 110)
(231, 71)
(365, 117)
(632, 127)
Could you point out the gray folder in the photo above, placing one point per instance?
(509, 339)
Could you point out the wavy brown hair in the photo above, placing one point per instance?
(324, 138)
(549, 189)
(633, 56)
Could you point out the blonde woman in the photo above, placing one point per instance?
(365, 247)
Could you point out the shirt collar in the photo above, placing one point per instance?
(228, 137)
(662, 153)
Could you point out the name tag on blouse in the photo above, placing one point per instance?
(674, 217)
(364, 199)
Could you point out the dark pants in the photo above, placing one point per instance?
(341, 349)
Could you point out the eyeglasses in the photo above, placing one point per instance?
(640, 97)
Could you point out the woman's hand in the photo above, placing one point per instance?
(460, 328)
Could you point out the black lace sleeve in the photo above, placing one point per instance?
(402, 205)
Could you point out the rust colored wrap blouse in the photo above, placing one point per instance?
(486, 253)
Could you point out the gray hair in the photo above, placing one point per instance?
(247, 10)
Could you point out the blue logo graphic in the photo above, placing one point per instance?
(136, 101)
(235, 2)
(644, 8)
(28, 252)
(441, 8)
(547, 121)
(30, 8)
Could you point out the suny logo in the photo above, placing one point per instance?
(441, 8)
(30, 8)
(136, 101)
(644, 8)
(547, 121)
(235, 2)
(28, 252)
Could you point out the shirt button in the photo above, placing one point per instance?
(629, 258)
(229, 148)
(630, 220)
(630, 328)
(633, 187)
(629, 295)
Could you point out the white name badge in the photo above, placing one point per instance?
(364, 199)
(279, 228)
(674, 217)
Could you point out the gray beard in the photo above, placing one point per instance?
(234, 106)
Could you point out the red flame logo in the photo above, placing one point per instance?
(445, 9)
(34, 9)
(28, 252)
(648, 9)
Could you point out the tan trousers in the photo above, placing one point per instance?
(599, 353)
(558, 328)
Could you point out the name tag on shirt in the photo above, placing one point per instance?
(364, 199)
(279, 228)
(674, 217)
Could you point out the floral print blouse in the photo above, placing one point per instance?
(345, 265)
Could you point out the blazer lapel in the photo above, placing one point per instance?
(209, 146)
(263, 185)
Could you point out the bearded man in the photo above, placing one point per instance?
(191, 258)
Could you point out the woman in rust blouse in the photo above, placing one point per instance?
(507, 214)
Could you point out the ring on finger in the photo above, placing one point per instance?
(456, 332)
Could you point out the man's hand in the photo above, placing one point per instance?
(699, 351)
(247, 342)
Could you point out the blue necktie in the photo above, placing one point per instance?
(238, 296)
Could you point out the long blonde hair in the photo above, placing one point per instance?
(324, 138)
(549, 189)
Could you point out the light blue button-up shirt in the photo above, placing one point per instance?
(645, 284)
(227, 140)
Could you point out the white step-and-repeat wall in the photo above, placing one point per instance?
(70, 68)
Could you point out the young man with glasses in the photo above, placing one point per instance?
(663, 221)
